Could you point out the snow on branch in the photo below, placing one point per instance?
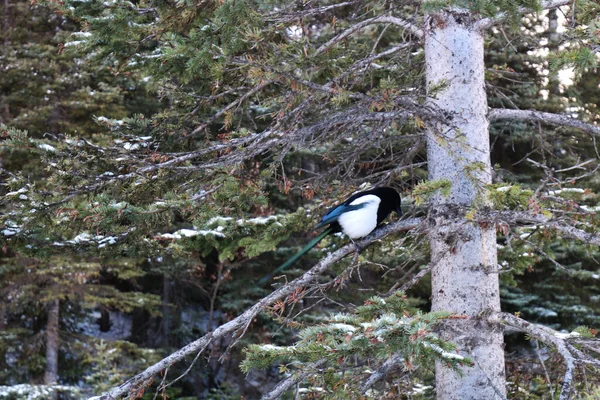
(37, 392)
(543, 117)
(239, 324)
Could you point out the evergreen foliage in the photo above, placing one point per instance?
(376, 330)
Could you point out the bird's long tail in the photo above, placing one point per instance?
(295, 258)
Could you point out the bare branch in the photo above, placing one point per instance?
(366, 61)
(514, 217)
(257, 143)
(539, 356)
(545, 5)
(543, 117)
(416, 278)
(548, 5)
(549, 336)
(284, 385)
(382, 372)
(376, 20)
(245, 318)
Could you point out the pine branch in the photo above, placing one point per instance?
(257, 143)
(243, 320)
(174, 161)
(291, 16)
(376, 20)
(235, 103)
(543, 117)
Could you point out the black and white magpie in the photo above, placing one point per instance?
(356, 217)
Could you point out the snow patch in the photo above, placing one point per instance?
(22, 190)
(131, 146)
(11, 231)
(257, 220)
(443, 353)
(566, 190)
(190, 233)
(35, 392)
(218, 219)
(343, 327)
(109, 121)
(81, 34)
(107, 241)
(564, 336)
(75, 43)
(420, 389)
(591, 208)
(82, 237)
(271, 347)
(47, 147)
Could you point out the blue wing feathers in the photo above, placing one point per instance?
(335, 213)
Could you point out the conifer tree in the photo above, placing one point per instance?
(53, 93)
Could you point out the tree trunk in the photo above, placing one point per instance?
(2, 317)
(52, 343)
(553, 46)
(465, 273)
(166, 311)
(104, 320)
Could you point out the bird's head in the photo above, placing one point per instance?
(390, 199)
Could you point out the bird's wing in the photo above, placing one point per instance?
(333, 214)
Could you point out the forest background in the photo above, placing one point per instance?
(159, 157)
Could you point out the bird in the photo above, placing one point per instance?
(356, 217)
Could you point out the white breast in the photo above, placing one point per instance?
(359, 223)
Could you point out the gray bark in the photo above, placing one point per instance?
(543, 117)
(553, 44)
(465, 273)
(52, 343)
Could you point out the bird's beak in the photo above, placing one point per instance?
(399, 211)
